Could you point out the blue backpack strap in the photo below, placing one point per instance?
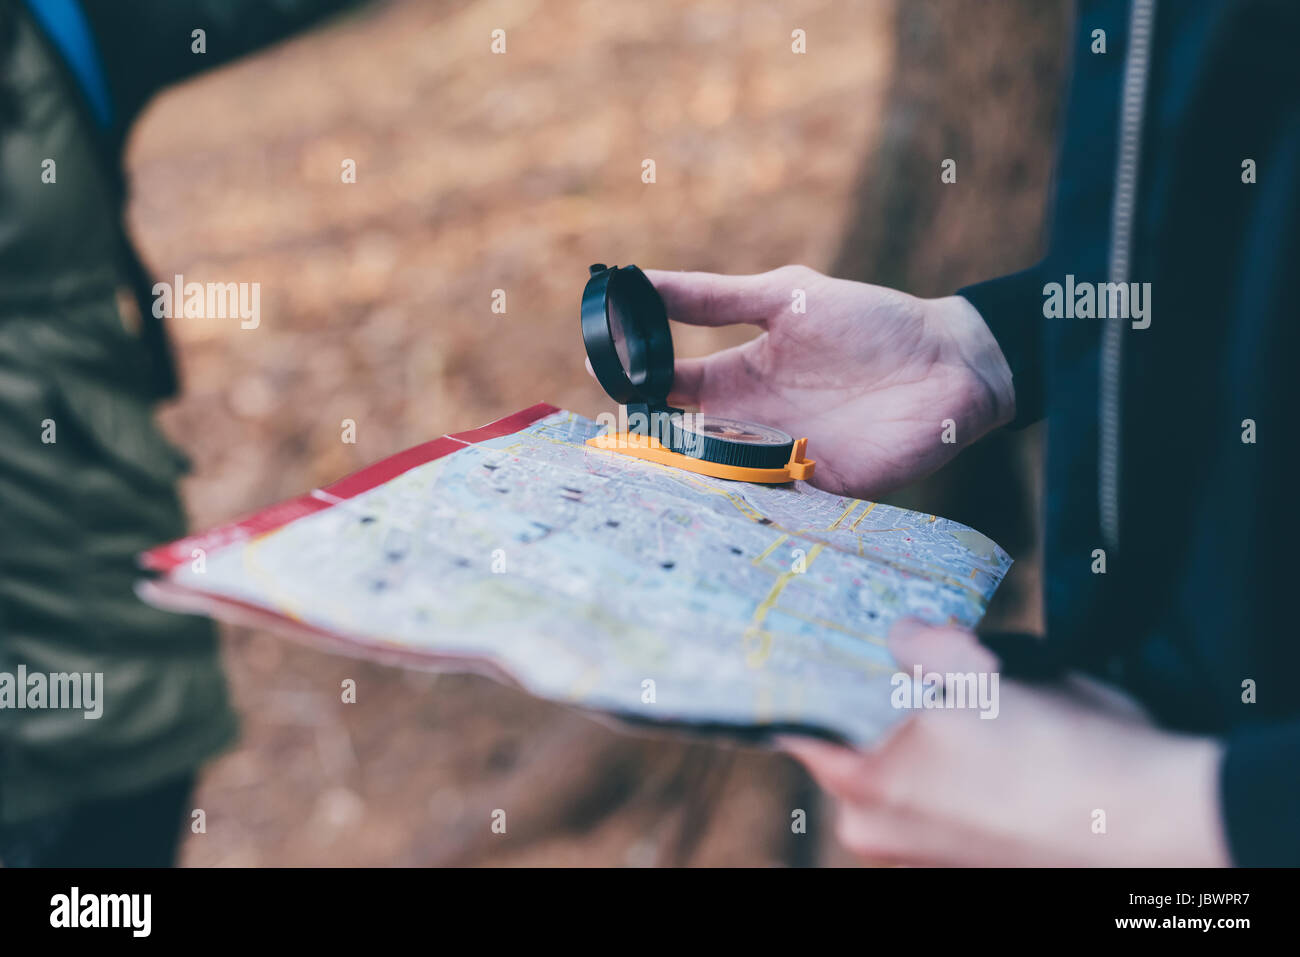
(64, 22)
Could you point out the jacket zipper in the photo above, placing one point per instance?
(1136, 68)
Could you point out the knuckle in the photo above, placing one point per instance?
(795, 272)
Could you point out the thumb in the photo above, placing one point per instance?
(941, 648)
(719, 383)
(688, 382)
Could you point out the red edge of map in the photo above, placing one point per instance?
(184, 598)
(164, 558)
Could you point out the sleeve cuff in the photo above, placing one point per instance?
(1012, 307)
(1260, 788)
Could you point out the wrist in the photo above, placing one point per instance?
(959, 323)
(1176, 804)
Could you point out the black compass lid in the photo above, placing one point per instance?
(625, 330)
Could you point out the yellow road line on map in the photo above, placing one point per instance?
(865, 513)
(769, 550)
(852, 505)
(823, 623)
(765, 703)
(741, 505)
(546, 438)
(278, 600)
(262, 575)
(866, 664)
(756, 658)
(926, 571)
(781, 582)
(677, 473)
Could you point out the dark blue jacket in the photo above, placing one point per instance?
(1198, 527)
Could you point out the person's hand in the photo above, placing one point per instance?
(870, 375)
(1069, 774)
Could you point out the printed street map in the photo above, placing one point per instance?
(598, 580)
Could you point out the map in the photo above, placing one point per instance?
(599, 580)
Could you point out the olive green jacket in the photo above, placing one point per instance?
(86, 479)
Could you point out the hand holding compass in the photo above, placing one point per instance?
(869, 374)
(629, 345)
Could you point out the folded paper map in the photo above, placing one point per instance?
(597, 579)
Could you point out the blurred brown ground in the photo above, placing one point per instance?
(478, 172)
